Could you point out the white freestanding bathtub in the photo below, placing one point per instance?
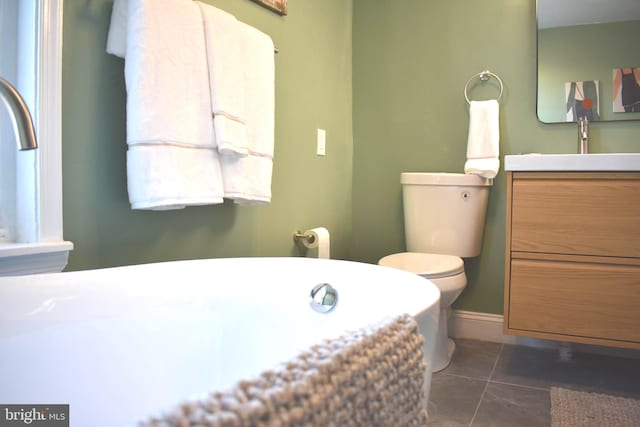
(120, 344)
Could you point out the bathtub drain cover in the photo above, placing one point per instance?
(323, 298)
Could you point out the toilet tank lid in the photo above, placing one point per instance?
(443, 178)
(431, 266)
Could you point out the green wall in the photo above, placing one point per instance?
(313, 90)
(583, 53)
(411, 60)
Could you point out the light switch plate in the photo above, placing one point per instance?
(321, 145)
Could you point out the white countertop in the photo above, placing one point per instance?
(613, 162)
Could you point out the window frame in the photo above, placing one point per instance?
(49, 252)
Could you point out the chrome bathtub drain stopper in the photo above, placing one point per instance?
(323, 298)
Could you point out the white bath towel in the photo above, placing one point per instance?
(247, 180)
(242, 81)
(224, 40)
(168, 104)
(162, 177)
(251, 183)
(483, 145)
(166, 74)
(117, 35)
(259, 90)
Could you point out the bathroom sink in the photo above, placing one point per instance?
(573, 162)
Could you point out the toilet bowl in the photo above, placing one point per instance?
(444, 215)
(447, 273)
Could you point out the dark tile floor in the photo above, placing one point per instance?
(490, 384)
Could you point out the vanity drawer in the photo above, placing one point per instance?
(599, 211)
(574, 299)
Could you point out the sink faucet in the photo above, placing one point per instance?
(20, 116)
(583, 135)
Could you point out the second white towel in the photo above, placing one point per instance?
(225, 49)
(242, 81)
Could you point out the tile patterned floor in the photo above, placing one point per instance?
(489, 384)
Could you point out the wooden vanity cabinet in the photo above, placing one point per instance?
(573, 257)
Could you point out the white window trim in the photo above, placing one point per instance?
(50, 253)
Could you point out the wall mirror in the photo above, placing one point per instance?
(588, 60)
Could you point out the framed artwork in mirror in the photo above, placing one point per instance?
(583, 100)
(278, 6)
(626, 90)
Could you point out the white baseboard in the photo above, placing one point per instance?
(477, 326)
(488, 327)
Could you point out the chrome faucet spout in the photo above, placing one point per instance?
(20, 116)
(583, 135)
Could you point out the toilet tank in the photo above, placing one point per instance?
(444, 213)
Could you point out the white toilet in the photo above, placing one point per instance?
(444, 216)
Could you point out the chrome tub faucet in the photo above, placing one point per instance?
(20, 116)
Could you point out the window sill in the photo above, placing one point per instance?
(17, 259)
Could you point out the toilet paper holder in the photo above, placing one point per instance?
(302, 238)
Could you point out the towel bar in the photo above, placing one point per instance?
(484, 76)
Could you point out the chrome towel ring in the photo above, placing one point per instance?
(484, 76)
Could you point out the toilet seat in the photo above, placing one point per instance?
(430, 266)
